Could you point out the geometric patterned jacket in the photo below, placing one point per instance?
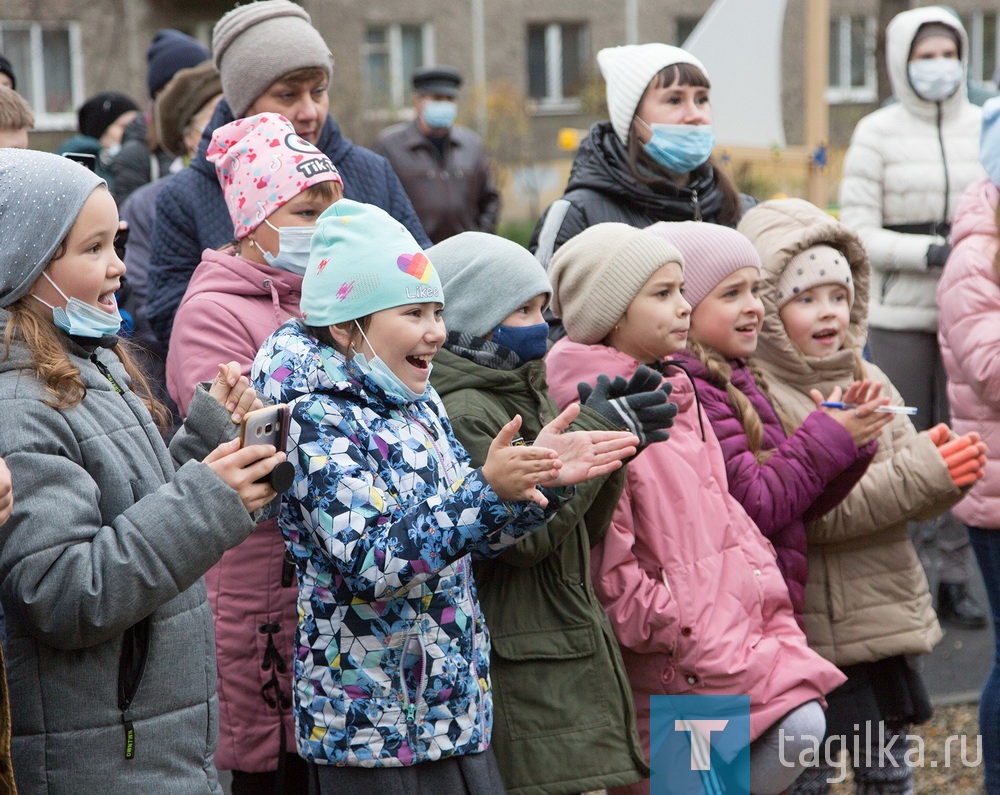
(392, 653)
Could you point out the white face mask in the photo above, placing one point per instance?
(293, 248)
(935, 79)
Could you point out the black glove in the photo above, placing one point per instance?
(639, 405)
(937, 254)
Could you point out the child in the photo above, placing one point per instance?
(777, 479)
(968, 297)
(111, 663)
(392, 668)
(572, 729)
(16, 119)
(690, 585)
(237, 297)
(868, 608)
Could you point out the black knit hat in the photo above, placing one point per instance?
(99, 112)
(7, 68)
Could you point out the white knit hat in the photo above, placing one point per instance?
(627, 71)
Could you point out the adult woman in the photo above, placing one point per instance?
(651, 161)
(904, 172)
(968, 296)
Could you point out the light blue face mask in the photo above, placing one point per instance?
(439, 114)
(80, 319)
(528, 342)
(293, 248)
(680, 147)
(379, 372)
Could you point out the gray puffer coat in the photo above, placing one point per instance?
(108, 626)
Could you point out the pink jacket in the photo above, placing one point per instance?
(231, 306)
(690, 584)
(968, 297)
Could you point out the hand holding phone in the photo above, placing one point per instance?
(269, 425)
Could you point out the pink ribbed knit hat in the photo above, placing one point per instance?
(711, 252)
(262, 164)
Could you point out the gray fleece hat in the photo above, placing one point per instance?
(485, 278)
(40, 197)
(256, 44)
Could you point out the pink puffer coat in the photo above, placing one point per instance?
(968, 297)
(690, 584)
(231, 306)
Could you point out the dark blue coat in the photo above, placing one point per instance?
(191, 213)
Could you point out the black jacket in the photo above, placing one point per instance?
(602, 188)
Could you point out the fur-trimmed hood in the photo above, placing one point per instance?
(780, 229)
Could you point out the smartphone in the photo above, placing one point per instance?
(90, 161)
(265, 426)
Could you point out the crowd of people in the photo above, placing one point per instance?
(669, 450)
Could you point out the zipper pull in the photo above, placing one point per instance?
(411, 713)
(697, 205)
(107, 374)
(129, 736)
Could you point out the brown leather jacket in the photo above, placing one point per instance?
(456, 195)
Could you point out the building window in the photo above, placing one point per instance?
(557, 58)
(46, 59)
(982, 29)
(391, 54)
(852, 60)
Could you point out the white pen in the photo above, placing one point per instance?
(830, 404)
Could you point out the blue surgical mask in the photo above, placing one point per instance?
(293, 248)
(439, 114)
(935, 79)
(80, 319)
(680, 147)
(528, 342)
(379, 372)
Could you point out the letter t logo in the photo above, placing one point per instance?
(701, 739)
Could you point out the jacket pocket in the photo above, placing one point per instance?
(546, 683)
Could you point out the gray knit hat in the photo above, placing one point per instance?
(40, 197)
(597, 274)
(485, 279)
(256, 44)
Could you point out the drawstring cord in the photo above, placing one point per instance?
(697, 399)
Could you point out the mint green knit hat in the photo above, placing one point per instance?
(362, 261)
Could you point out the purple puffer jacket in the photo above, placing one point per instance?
(809, 473)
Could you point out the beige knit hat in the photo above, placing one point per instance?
(255, 44)
(596, 275)
(811, 267)
(627, 71)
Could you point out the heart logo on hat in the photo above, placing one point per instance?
(415, 265)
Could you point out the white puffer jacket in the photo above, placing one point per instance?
(909, 163)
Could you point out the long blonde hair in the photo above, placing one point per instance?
(50, 363)
(720, 374)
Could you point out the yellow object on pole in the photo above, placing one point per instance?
(569, 138)
(817, 120)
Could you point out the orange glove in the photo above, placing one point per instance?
(939, 434)
(965, 458)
